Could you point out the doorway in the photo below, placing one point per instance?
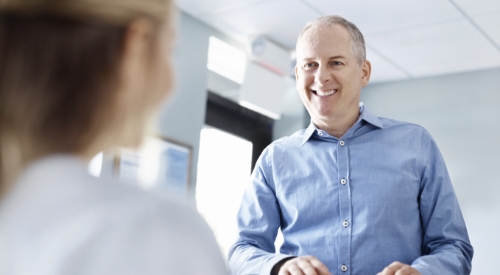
(230, 144)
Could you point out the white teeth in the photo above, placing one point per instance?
(325, 93)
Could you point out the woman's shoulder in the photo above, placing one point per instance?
(59, 209)
(61, 186)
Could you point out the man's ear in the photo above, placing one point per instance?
(296, 72)
(366, 70)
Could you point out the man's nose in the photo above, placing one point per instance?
(322, 75)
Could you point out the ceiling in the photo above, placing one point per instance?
(404, 39)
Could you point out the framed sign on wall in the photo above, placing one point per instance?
(158, 163)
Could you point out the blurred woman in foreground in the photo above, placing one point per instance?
(78, 77)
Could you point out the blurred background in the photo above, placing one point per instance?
(434, 62)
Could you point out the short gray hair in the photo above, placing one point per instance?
(357, 41)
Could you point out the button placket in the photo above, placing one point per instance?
(345, 212)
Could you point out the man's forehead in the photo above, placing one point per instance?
(315, 33)
(316, 36)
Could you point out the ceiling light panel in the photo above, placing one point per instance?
(383, 15)
(280, 20)
(226, 60)
(449, 47)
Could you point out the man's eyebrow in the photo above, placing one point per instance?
(333, 57)
(307, 58)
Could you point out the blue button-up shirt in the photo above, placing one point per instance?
(381, 193)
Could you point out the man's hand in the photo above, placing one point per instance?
(397, 268)
(304, 265)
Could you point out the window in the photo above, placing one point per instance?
(226, 60)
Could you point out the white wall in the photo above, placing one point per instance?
(294, 115)
(462, 113)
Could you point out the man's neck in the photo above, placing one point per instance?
(337, 127)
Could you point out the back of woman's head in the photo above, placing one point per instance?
(60, 67)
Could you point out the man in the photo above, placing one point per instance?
(352, 193)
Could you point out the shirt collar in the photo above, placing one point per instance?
(308, 133)
(364, 115)
(369, 117)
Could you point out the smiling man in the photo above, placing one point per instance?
(353, 193)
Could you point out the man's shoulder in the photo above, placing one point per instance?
(394, 124)
(401, 129)
(292, 140)
(390, 122)
(284, 146)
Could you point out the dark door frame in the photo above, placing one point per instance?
(231, 117)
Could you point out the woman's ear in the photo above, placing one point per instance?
(137, 46)
(133, 79)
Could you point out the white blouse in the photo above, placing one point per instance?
(60, 220)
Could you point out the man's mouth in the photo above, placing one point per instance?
(324, 93)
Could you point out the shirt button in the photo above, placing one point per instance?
(345, 223)
(342, 143)
(343, 268)
(320, 133)
(343, 181)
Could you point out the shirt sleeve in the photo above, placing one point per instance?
(446, 248)
(258, 223)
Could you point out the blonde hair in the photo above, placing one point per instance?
(357, 41)
(59, 64)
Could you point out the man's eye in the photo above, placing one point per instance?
(336, 63)
(309, 65)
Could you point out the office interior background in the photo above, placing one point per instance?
(435, 63)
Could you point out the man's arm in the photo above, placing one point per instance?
(446, 248)
(258, 223)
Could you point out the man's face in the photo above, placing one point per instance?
(329, 79)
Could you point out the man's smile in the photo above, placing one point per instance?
(324, 93)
